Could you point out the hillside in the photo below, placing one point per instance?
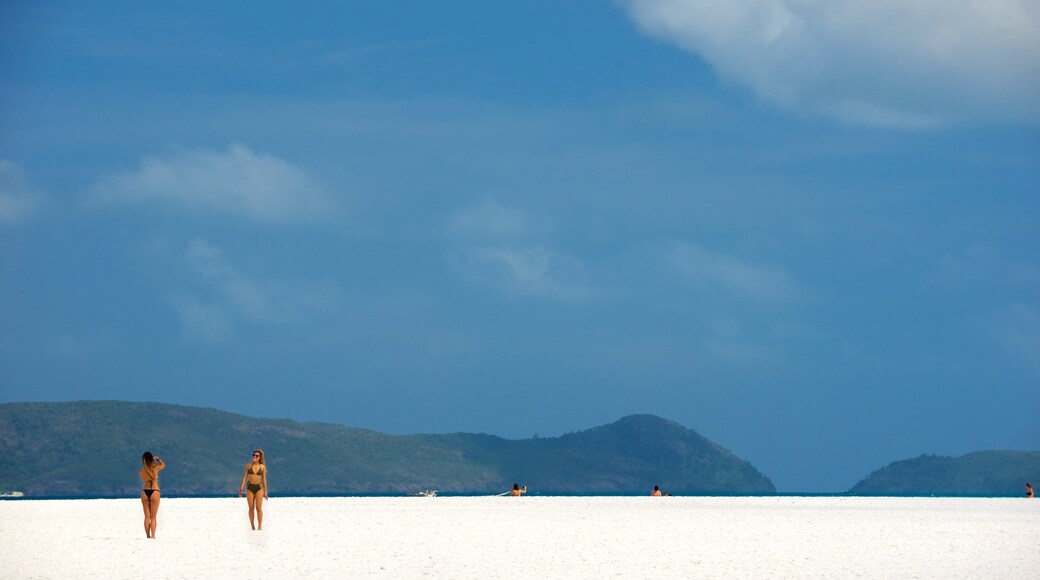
(90, 448)
(979, 473)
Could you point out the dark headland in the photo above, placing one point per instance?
(92, 448)
(996, 473)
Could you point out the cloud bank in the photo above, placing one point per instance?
(880, 62)
(238, 182)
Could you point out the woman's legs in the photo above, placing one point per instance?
(151, 510)
(251, 500)
(259, 509)
(153, 507)
(147, 516)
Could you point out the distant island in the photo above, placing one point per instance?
(980, 473)
(92, 448)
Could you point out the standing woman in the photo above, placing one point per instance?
(255, 481)
(149, 473)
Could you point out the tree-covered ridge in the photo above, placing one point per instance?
(93, 448)
(978, 473)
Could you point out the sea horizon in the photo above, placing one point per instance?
(422, 493)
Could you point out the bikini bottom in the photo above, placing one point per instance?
(254, 487)
(149, 492)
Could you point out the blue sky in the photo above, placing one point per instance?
(806, 229)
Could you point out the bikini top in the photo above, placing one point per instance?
(260, 472)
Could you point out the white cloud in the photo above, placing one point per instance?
(704, 268)
(876, 62)
(499, 247)
(727, 341)
(18, 202)
(236, 298)
(204, 322)
(238, 182)
(490, 220)
(250, 299)
(533, 271)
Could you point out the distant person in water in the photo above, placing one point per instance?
(517, 490)
(254, 483)
(149, 473)
(658, 493)
(1029, 490)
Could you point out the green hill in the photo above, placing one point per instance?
(90, 448)
(979, 473)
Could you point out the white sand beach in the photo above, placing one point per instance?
(528, 537)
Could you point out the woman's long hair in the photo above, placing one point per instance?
(261, 452)
(148, 461)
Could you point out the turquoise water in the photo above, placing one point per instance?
(535, 494)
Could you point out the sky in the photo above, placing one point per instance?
(807, 229)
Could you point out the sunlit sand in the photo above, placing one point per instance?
(528, 537)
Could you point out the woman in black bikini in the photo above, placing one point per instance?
(255, 481)
(149, 472)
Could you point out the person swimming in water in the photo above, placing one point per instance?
(517, 490)
(1029, 490)
(149, 474)
(255, 481)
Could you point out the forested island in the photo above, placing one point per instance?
(979, 473)
(93, 448)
